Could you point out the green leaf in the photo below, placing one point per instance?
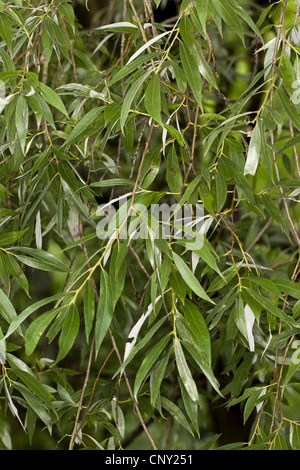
(266, 284)
(253, 153)
(175, 134)
(6, 30)
(132, 66)
(184, 371)
(288, 287)
(89, 308)
(244, 319)
(295, 436)
(203, 67)
(176, 412)
(52, 98)
(148, 363)
(147, 45)
(137, 347)
(34, 385)
(254, 399)
(190, 68)
(121, 26)
(189, 278)
(185, 28)
(39, 259)
(37, 328)
(82, 127)
(68, 333)
(111, 182)
(174, 176)
(229, 15)
(247, 18)
(153, 99)
(198, 327)
(243, 184)
(221, 188)
(105, 310)
(289, 109)
(270, 307)
(130, 96)
(18, 320)
(207, 256)
(75, 201)
(7, 310)
(272, 208)
(241, 374)
(158, 375)
(191, 407)
(203, 366)
(2, 348)
(21, 120)
(10, 237)
(202, 10)
(8, 64)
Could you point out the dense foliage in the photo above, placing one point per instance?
(118, 329)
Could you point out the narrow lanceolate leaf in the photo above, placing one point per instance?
(121, 26)
(204, 367)
(10, 237)
(34, 385)
(270, 307)
(288, 287)
(105, 310)
(253, 152)
(148, 363)
(80, 130)
(2, 348)
(247, 18)
(157, 376)
(6, 30)
(190, 68)
(52, 98)
(221, 188)
(39, 259)
(174, 176)
(18, 320)
(128, 357)
(229, 15)
(190, 278)
(21, 120)
(176, 412)
(191, 407)
(184, 371)
(130, 95)
(202, 10)
(198, 327)
(147, 45)
(7, 310)
(203, 67)
(89, 308)
(250, 320)
(153, 99)
(37, 328)
(69, 332)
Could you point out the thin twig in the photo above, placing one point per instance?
(260, 234)
(131, 393)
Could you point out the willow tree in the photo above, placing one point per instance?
(149, 247)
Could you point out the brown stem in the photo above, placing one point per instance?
(143, 424)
